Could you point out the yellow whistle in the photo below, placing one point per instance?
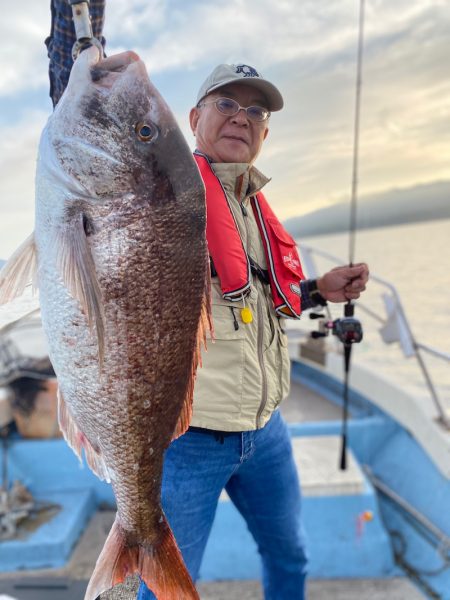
(246, 315)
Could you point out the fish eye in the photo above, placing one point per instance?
(146, 132)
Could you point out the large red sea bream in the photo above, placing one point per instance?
(120, 259)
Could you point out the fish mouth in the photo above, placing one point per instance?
(107, 70)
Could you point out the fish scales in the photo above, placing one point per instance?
(123, 278)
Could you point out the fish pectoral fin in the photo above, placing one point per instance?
(78, 441)
(204, 325)
(160, 566)
(77, 268)
(19, 271)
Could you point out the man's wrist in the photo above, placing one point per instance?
(315, 293)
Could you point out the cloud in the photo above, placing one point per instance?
(405, 137)
(23, 56)
(262, 32)
(17, 168)
(307, 48)
(135, 19)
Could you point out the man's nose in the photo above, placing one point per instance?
(241, 117)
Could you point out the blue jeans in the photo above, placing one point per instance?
(258, 472)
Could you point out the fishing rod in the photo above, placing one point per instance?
(348, 329)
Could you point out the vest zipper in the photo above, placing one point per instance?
(260, 333)
(261, 362)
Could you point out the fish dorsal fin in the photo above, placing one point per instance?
(19, 271)
(78, 441)
(204, 325)
(77, 269)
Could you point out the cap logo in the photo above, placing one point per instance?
(247, 71)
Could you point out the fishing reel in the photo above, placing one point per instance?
(347, 329)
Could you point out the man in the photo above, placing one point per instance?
(237, 440)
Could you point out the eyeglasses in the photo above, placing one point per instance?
(230, 107)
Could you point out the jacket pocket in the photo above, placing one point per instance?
(227, 322)
(219, 385)
(280, 232)
(226, 315)
(285, 253)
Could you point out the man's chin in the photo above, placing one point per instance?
(235, 151)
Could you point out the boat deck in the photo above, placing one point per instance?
(303, 405)
(69, 582)
(55, 589)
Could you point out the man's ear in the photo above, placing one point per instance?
(193, 119)
(266, 132)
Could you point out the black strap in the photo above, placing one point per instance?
(213, 268)
(261, 274)
(314, 294)
(218, 435)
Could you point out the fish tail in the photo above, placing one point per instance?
(160, 566)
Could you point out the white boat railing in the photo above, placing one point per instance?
(396, 327)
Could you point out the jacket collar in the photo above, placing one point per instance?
(240, 179)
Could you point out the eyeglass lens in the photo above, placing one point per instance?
(230, 107)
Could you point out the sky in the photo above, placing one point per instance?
(306, 47)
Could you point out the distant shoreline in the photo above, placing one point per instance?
(299, 231)
(420, 203)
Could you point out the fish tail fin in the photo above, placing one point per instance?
(19, 271)
(163, 570)
(160, 566)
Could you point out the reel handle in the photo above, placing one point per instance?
(318, 334)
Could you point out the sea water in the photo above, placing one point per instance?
(416, 260)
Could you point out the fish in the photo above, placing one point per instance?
(119, 257)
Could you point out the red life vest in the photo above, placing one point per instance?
(230, 257)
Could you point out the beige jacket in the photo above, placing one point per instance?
(246, 371)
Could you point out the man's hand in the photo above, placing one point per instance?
(344, 283)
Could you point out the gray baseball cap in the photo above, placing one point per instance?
(224, 74)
